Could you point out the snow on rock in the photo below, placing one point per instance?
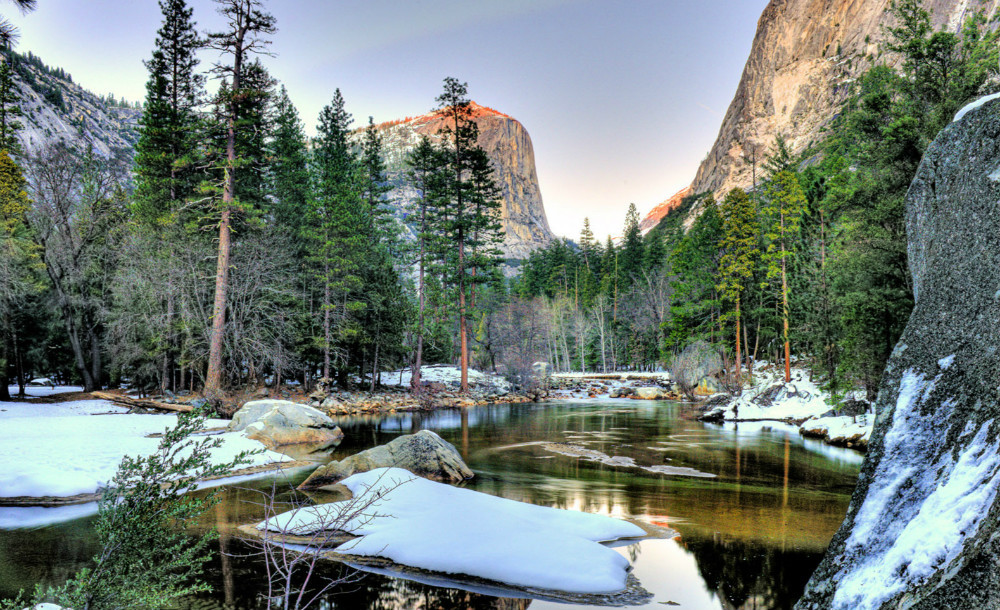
(69, 449)
(420, 523)
(916, 516)
(840, 429)
(974, 105)
(770, 399)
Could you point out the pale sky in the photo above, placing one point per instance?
(622, 98)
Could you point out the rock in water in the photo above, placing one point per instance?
(424, 454)
(922, 530)
(280, 422)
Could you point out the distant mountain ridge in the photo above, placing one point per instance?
(509, 147)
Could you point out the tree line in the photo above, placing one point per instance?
(234, 249)
(811, 261)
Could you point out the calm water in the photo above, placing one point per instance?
(748, 538)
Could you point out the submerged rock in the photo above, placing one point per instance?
(922, 530)
(424, 454)
(276, 423)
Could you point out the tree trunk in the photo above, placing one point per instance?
(419, 360)
(462, 324)
(739, 356)
(213, 379)
(374, 368)
(784, 310)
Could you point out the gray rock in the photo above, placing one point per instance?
(424, 454)
(922, 530)
(279, 422)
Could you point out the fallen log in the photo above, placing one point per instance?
(144, 403)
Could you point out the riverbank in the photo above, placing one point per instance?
(847, 422)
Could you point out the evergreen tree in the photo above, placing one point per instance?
(422, 174)
(632, 251)
(10, 109)
(289, 170)
(740, 250)
(338, 224)
(18, 268)
(246, 26)
(467, 208)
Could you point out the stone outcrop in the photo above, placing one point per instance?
(922, 530)
(804, 57)
(424, 454)
(277, 423)
(660, 211)
(509, 147)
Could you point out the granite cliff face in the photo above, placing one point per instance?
(509, 147)
(923, 528)
(57, 109)
(804, 57)
(663, 208)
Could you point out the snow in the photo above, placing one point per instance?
(433, 526)
(842, 426)
(916, 516)
(809, 400)
(441, 373)
(945, 363)
(972, 106)
(68, 449)
(39, 391)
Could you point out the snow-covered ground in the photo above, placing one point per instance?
(619, 374)
(74, 448)
(444, 373)
(420, 523)
(770, 399)
(38, 391)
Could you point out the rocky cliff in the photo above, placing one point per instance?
(804, 57)
(509, 147)
(922, 531)
(57, 109)
(663, 208)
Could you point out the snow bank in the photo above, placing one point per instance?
(800, 399)
(45, 390)
(69, 449)
(973, 105)
(916, 516)
(437, 527)
(842, 427)
(440, 373)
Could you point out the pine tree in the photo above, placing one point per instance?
(338, 222)
(18, 262)
(169, 135)
(467, 212)
(587, 244)
(632, 251)
(10, 109)
(423, 174)
(246, 26)
(289, 171)
(783, 206)
(740, 250)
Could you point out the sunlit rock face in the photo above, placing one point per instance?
(509, 147)
(922, 529)
(804, 57)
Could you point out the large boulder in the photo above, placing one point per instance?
(424, 454)
(277, 423)
(923, 528)
(650, 393)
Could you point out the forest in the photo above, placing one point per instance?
(235, 251)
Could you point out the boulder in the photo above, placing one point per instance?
(424, 454)
(279, 422)
(650, 393)
(621, 392)
(922, 531)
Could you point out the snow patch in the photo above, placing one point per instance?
(946, 362)
(974, 105)
(916, 516)
(433, 526)
(68, 449)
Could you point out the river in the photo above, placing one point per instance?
(747, 538)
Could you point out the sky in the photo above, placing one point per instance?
(622, 98)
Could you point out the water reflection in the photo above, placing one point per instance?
(748, 538)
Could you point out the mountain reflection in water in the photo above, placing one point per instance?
(748, 538)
